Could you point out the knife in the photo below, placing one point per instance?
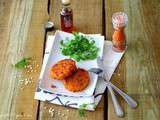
(131, 102)
(117, 107)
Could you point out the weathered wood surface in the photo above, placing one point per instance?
(22, 34)
(139, 71)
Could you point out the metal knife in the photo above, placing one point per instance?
(116, 104)
(131, 102)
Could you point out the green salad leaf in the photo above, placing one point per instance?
(81, 110)
(79, 48)
(20, 64)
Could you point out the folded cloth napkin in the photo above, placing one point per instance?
(111, 60)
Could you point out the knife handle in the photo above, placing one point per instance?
(116, 104)
(132, 103)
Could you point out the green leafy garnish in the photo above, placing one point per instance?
(81, 110)
(79, 48)
(20, 64)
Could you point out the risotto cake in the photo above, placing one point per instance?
(63, 69)
(78, 81)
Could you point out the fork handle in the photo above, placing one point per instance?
(132, 103)
(116, 104)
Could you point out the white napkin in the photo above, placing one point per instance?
(111, 60)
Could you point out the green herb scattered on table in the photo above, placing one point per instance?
(79, 48)
(22, 63)
(81, 110)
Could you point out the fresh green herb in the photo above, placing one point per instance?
(79, 48)
(20, 64)
(81, 110)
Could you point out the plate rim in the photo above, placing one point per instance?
(50, 53)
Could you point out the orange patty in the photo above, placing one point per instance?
(63, 69)
(77, 81)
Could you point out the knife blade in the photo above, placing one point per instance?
(117, 107)
(101, 66)
(131, 102)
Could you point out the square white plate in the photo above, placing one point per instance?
(55, 55)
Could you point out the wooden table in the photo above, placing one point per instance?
(138, 74)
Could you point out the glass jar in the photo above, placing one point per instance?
(119, 21)
(66, 16)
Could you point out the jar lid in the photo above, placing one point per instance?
(119, 19)
(66, 2)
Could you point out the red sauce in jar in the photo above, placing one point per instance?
(119, 21)
(66, 16)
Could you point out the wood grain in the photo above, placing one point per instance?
(84, 21)
(21, 35)
(138, 73)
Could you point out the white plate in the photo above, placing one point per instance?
(55, 55)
